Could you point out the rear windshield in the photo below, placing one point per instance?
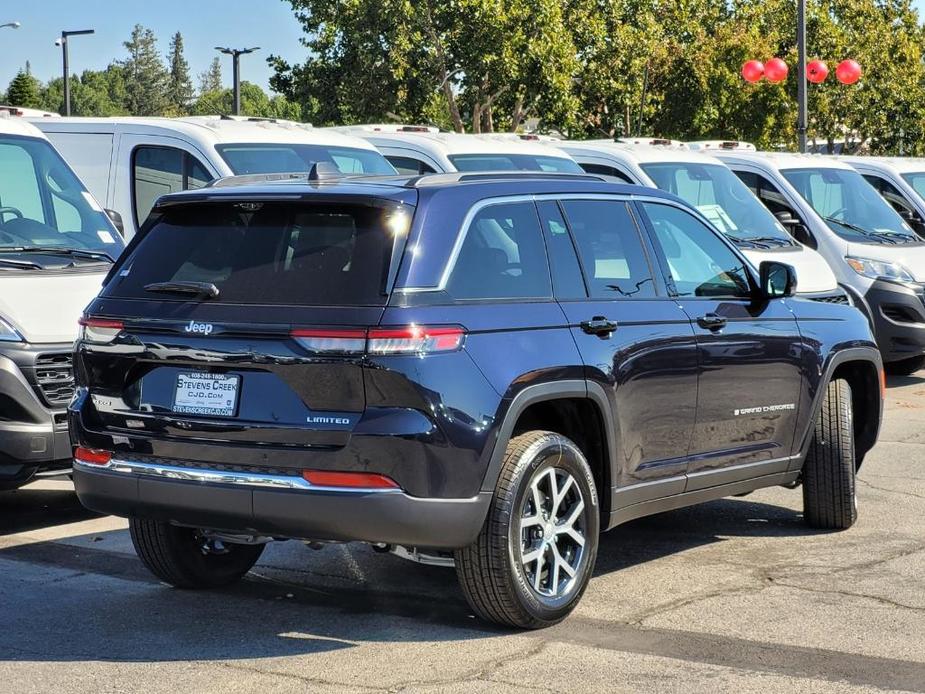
(513, 162)
(317, 254)
(257, 158)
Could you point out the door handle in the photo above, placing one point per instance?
(711, 321)
(599, 325)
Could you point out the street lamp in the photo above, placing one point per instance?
(236, 54)
(802, 105)
(11, 25)
(67, 74)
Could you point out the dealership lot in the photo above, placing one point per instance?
(735, 595)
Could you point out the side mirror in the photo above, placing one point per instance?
(116, 220)
(778, 280)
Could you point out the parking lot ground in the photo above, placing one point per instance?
(735, 595)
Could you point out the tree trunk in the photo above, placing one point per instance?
(518, 115)
(443, 73)
(477, 118)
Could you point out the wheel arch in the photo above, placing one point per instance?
(563, 407)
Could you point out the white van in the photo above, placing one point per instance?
(56, 246)
(874, 253)
(130, 162)
(707, 184)
(901, 182)
(420, 152)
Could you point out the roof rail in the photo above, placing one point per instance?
(458, 177)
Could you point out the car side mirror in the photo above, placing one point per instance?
(778, 280)
(116, 220)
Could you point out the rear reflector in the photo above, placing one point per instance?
(332, 341)
(99, 331)
(350, 480)
(92, 456)
(413, 339)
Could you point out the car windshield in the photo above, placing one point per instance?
(514, 162)
(917, 181)
(851, 207)
(45, 208)
(722, 198)
(258, 158)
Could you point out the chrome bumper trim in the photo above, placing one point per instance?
(207, 476)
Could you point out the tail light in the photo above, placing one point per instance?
(99, 331)
(349, 480)
(92, 456)
(414, 339)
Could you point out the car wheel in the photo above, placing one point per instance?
(906, 367)
(534, 556)
(829, 483)
(185, 558)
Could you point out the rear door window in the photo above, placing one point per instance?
(611, 250)
(268, 253)
(503, 256)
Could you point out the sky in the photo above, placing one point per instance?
(204, 24)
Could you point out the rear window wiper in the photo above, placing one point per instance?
(206, 290)
(77, 252)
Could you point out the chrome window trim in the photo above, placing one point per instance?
(509, 199)
(211, 476)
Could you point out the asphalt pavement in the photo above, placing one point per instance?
(735, 595)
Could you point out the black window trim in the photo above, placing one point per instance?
(187, 156)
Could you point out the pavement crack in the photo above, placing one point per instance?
(850, 594)
(639, 619)
(301, 678)
(890, 491)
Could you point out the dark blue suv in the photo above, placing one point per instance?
(485, 370)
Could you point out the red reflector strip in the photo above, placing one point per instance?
(92, 456)
(101, 323)
(350, 480)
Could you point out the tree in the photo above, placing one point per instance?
(254, 102)
(179, 84)
(24, 91)
(146, 78)
(211, 79)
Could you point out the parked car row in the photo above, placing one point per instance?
(467, 350)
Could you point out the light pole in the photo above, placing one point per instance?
(802, 105)
(236, 54)
(11, 25)
(67, 74)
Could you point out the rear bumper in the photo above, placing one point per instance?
(277, 506)
(897, 311)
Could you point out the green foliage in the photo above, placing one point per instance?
(211, 79)
(24, 91)
(607, 68)
(179, 84)
(146, 77)
(254, 102)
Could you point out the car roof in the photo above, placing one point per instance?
(212, 129)
(782, 160)
(640, 154)
(897, 165)
(404, 188)
(457, 143)
(15, 125)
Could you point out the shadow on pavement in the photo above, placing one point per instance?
(40, 505)
(296, 601)
(916, 379)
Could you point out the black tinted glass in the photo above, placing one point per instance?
(503, 256)
(566, 272)
(267, 253)
(611, 250)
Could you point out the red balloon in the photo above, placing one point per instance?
(848, 72)
(776, 70)
(752, 71)
(816, 71)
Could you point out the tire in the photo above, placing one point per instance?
(184, 559)
(906, 367)
(829, 484)
(495, 571)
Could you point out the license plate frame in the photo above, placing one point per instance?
(186, 402)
